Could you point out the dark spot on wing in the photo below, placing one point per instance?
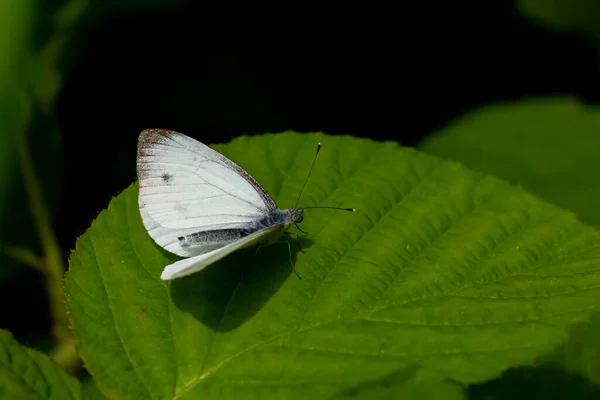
(166, 177)
(180, 209)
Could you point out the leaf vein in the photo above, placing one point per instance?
(363, 234)
(112, 315)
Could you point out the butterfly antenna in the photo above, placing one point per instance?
(309, 172)
(334, 208)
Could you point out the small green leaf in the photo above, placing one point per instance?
(448, 272)
(581, 354)
(569, 15)
(549, 146)
(28, 374)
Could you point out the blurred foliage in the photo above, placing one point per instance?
(33, 60)
(550, 146)
(582, 16)
(15, 32)
(581, 354)
(39, 42)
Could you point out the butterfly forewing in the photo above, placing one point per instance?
(186, 187)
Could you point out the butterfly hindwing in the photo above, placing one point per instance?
(191, 265)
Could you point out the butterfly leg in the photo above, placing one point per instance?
(290, 253)
(298, 226)
(258, 248)
(297, 241)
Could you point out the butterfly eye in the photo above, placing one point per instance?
(300, 220)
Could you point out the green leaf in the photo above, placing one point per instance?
(549, 146)
(28, 374)
(443, 270)
(90, 391)
(569, 15)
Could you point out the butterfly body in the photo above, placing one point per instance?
(281, 219)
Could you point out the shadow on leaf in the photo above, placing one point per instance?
(228, 293)
(405, 383)
(536, 383)
(398, 377)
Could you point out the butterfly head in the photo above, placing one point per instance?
(295, 216)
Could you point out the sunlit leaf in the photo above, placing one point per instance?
(448, 273)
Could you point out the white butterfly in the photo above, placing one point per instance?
(197, 203)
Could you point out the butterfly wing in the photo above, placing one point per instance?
(191, 265)
(186, 187)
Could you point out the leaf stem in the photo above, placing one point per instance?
(52, 262)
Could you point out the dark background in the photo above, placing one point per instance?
(386, 74)
(383, 76)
